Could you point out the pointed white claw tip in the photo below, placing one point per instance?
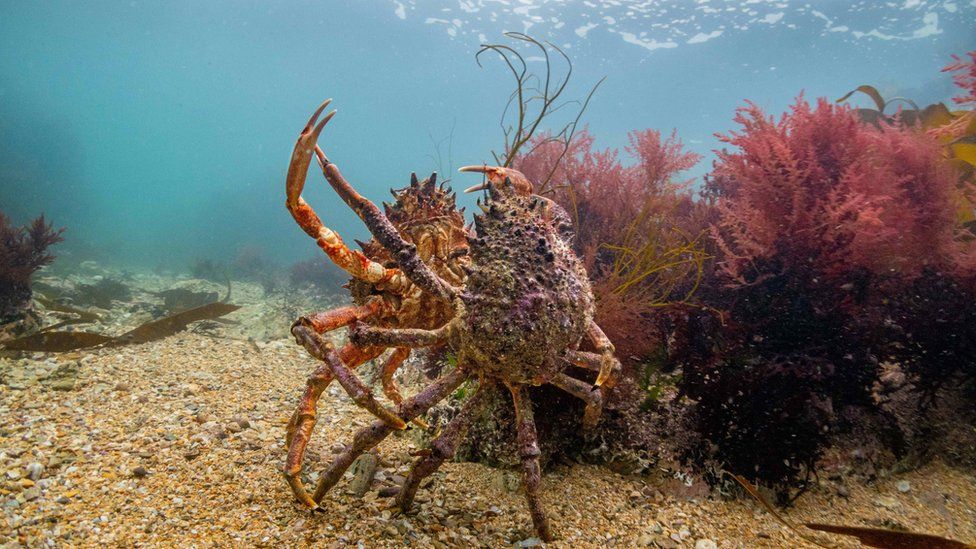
(478, 187)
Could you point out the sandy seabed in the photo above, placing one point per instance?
(181, 442)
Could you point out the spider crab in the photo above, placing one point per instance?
(509, 298)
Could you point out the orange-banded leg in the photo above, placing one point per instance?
(445, 445)
(352, 261)
(609, 365)
(303, 420)
(528, 450)
(405, 253)
(392, 364)
(371, 435)
(592, 396)
(322, 349)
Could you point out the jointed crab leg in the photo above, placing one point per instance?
(321, 349)
(392, 364)
(593, 397)
(363, 335)
(528, 449)
(371, 435)
(609, 364)
(445, 445)
(390, 367)
(303, 420)
(385, 233)
(352, 261)
(593, 361)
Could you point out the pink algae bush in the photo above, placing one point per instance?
(820, 189)
(633, 222)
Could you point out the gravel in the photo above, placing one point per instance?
(181, 442)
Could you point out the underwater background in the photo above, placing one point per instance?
(159, 133)
(774, 204)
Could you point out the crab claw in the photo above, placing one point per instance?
(496, 175)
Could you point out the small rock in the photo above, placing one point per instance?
(122, 387)
(204, 417)
(705, 543)
(887, 502)
(62, 500)
(214, 429)
(843, 491)
(66, 384)
(363, 470)
(529, 542)
(140, 472)
(31, 494)
(241, 421)
(903, 486)
(388, 491)
(34, 470)
(233, 427)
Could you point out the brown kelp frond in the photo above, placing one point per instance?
(50, 341)
(534, 99)
(872, 537)
(169, 325)
(754, 492)
(56, 342)
(890, 539)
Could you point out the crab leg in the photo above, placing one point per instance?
(352, 261)
(444, 446)
(592, 396)
(303, 420)
(528, 449)
(591, 361)
(385, 233)
(322, 349)
(371, 435)
(609, 365)
(392, 364)
(364, 335)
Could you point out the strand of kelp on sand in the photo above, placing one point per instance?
(51, 340)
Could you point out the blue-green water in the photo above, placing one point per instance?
(159, 132)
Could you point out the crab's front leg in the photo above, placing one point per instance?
(381, 228)
(609, 365)
(322, 349)
(302, 422)
(351, 261)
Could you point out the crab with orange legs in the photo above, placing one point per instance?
(509, 299)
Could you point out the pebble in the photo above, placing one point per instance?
(705, 543)
(903, 486)
(241, 421)
(140, 472)
(887, 502)
(34, 470)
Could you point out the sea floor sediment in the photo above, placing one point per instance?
(181, 441)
